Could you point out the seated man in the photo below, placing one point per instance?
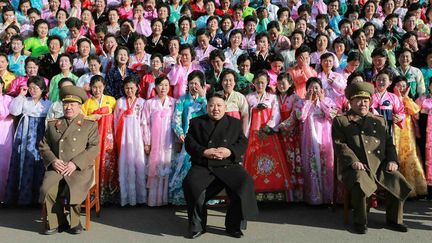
(216, 144)
(367, 158)
(69, 149)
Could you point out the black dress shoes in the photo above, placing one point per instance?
(235, 233)
(195, 234)
(76, 230)
(60, 229)
(397, 227)
(360, 229)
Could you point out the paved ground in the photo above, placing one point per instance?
(276, 223)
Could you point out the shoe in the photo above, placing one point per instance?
(397, 227)
(50, 231)
(360, 229)
(76, 230)
(193, 235)
(235, 233)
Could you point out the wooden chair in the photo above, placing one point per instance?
(92, 199)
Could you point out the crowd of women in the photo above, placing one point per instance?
(147, 66)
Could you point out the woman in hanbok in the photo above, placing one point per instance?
(101, 107)
(425, 104)
(56, 109)
(80, 62)
(158, 142)
(237, 105)
(203, 49)
(140, 60)
(414, 76)
(147, 85)
(387, 104)
(185, 25)
(316, 116)
(119, 72)
(333, 83)
(129, 133)
(179, 72)
(190, 105)
(405, 141)
(27, 168)
(265, 159)
(6, 138)
(32, 69)
(65, 62)
(234, 51)
(289, 133)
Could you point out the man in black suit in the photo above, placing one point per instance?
(216, 144)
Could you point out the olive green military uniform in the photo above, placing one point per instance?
(74, 140)
(365, 139)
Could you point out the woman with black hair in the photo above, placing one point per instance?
(26, 168)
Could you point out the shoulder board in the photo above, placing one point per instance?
(52, 120)
(88, 118)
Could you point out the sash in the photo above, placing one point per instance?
(120, 125)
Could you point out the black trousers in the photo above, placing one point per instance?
(197, 208)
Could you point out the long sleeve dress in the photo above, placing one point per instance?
(159, 135)
(27, 168)
(6, 139)
(407, 150)
(317, 150)
(186, 108)
(425, 103)
(108, 167)
(178, 78)
(265, 159)
(388, 105)
(290, 141)
(129, 133)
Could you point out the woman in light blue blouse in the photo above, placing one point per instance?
(61, 29)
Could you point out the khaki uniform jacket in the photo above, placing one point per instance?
(366, 140)
(79, 143)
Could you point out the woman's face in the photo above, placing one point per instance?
(382, 82)
(296, 41)
(84, 49)
(260, 84)
(138, 12)
(284, 16)
(122, 57)
(361, 39)
(352, 66)
(9, 33)
(157, 28)
(283, 85)
(31, 69)
(186, 57)
(54, 46)
(98, 89)
(24, 7)
(370, 32)
(35, 91)
(61, 17)
(302, 25)
(203, 41)
(3, 63)
(327, 63)
(389, 7)
(94, 66)
(163, 88)
(17, 46)
(378, 62)
(236, 40)
(226, 25)
(217, 64)
(210, 8)
(86, 17)
(173, 47)
(42, 30)
(273, 33)
(111, 44)
(400, 86)
(194, 85)
(225, 4)
(228, 83)
(244, 67)
(410, 23)
(262, 44)
(156, 63)
(322, 43)
(54, 4)
(314, 88)
(130, 90)
(237, 15)
(276, 66)
(405, 59)
(250, 27)
(74, 31)
(213, 25)
(139, 46)
(9, 16)
(65, 64)
(163, 13)
(370, 9)
(339, 48)
(185, 27)
(113, 17)
(100, 5)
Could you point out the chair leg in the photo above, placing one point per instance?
(347, 203)
(87, 209)
(97, 205)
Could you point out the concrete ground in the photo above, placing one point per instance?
(276, 223)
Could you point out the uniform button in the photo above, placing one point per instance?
(362, 132)
(61, 151)
(210, 141)
(374, 131)
(61, 140)
(378, 152)
(366, 141)
(73, 150)
(74, 139)
(79, 129)
(376, 141)
(369, 152)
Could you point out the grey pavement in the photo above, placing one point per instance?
(277, 222)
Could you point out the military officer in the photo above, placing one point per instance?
(69, 149)
(367, 159)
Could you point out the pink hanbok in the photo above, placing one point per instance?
(335, 89)
(19, 82)
(178, 78)
(425, 103)
(6, 139)
(142, 26)
(203, 55)
(317, 150)
(129, 126)
(388, 105)
(159, 135)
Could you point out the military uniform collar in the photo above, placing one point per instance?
(354, 117)
(77, 120)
